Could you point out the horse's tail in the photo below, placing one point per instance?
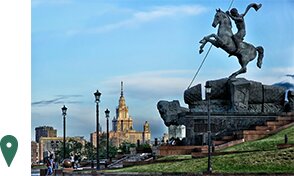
(260, 51)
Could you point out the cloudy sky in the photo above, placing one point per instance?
(80, 46)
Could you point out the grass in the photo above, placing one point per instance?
(268, 159)
(277, 161)
(169, 167)
(269, 143)
(175, 157)
(39, 167)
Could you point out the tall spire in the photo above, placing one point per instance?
(121, 89)
(122, 107)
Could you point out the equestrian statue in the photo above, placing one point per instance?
(233, 44)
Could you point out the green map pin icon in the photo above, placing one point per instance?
(9, 146)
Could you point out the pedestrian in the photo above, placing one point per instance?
(76, 160)
(56, 164)
(49, 163)
(72, 160)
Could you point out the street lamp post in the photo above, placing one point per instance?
(208, 91)
(97, 95)
(107, 132)
(64, 109)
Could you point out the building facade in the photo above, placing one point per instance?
(34, 152)
(49, 145)
(45, 131)
(122, 127)
(164, 138)
(177, 131)
(93, 138)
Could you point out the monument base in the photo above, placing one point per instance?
(235, 105)
(221, 125)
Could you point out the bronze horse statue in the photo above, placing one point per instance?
(246, 53)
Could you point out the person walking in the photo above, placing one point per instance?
(76, 160)
(72, 160)
(49, 163)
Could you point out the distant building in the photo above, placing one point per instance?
(93, 137)
(45, 131)
(164, 138)
(34, 152)
(49, 145)
(122, 127)
(177, 131)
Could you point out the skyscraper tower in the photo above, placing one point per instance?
(122, 125)
(122, 122)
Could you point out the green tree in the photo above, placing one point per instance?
(71, 146)
(125, 147)
(112, 151)
(89, 151)
(75, 146)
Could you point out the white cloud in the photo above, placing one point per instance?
(283, 70)
(141, 17)
(172, 83)
(166, 11)
(268, 75)
(155, 84)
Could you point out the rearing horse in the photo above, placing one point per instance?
(224, 40)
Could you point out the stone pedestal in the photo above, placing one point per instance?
(221, 125)
(235, 104)
(239, 90)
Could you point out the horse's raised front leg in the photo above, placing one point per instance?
(201, 47)
(203, 43)
(216, 41)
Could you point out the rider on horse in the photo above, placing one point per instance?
(240, 24)
(234, 44)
